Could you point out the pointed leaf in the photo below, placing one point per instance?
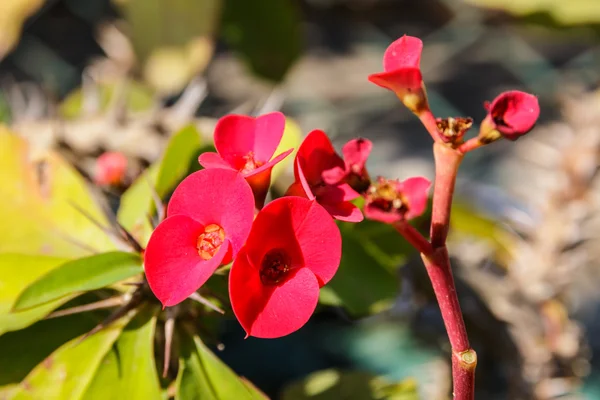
(38, 191)
(203, 376)
(67, 372)
(128, 371)
(80, 275)
(17, 271)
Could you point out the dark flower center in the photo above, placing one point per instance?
(210, 241)
(275, 267)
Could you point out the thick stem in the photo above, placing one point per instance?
(447, 161)
(470, 145)
(464, 359)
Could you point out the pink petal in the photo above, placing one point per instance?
(217, 196)
(271, 311)
(402, 53)
(376, 214)
(303, 182)
(344, 211)
(416, 192)
(356, 153)
(334, 176)
(238, 135)
(174, 269)
(316, 154)
(213, 160)
(399, 81)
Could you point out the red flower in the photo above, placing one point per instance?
(402, 73)
(354, 173)
(512, 113)
(390, 201)
(293, 249)
(209, 217)
(247, 145)
(111, 168)
(316, 156)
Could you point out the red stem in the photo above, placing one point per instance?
(447, 161)
(428, 120)
(470, 145)
(413, 237)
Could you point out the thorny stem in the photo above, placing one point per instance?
(437, 263)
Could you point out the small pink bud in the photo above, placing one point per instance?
(111, 168)
(512, 114)
(391, 201)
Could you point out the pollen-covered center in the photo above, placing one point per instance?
(250, 163)
(275, 267)
(385, 196)
(210, 241)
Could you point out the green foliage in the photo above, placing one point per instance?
(137, 203)
(84, 274)
(17, 271)
(41, 194)
(202, 376)
(128, 370)
(266, 33)
(565, 12)
(333, 384)
(367, 280)
(67, 372)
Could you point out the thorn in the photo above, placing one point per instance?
(197, 297)
(169, 328)
(107, 303)
(273, 102)
(158, 203)
(75, 241)
(151, 221)
(193, 95)
(93, 220)
(129, 239)
(136, 300)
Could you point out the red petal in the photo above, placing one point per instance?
(174, 269)
(271, 311)
(415, 189)
(344, 211)
(399, 81)
(318, 236)
(213, 160)
(402, 53)
(334, 176)
(300, 176)
(316, 154)
(217, 196)
(515, 113)
(238, 135)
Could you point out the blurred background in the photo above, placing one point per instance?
(85, 77)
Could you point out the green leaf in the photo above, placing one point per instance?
(266, 33)
(80, 275)
(38, 191)
(128, 371)
(136, 202)
(17, 271)
(203, 376)
(67, 372)
(565, 12)
(332, 384)
(24, 349)
(366, 281)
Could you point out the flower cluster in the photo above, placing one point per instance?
(283, 252)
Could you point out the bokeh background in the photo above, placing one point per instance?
(84, 77)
